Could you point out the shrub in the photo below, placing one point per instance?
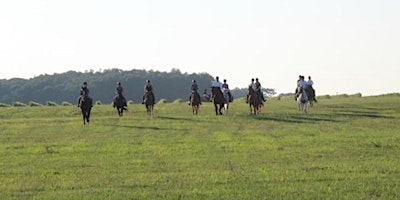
(98, 103)
(34, 104)
(178, 101)
(130, 102)
(162, 101)
(4, 105)
(51, 103)
(324, 97)
(65, 103)
(356, 95)
(19, 104)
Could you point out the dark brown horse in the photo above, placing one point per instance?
(120, 105)
(255, 101)
(218, 100)
(86, 105)
(149, 102)
(195, 101)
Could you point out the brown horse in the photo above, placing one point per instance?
(255, 101)
(195, 101)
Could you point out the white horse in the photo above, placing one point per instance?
(226, 97)
(302, 100)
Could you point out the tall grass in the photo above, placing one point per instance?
(344, 148)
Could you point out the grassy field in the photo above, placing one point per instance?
(346, 147)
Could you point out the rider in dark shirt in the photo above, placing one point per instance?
(194, 89)
(120, 93)
(258, 90)
(148, 90)
(84, 93)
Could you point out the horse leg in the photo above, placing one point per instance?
(226, 108)
(88, 115)
(84, 117)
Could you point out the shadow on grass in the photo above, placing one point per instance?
(296, 119)
(359, 111)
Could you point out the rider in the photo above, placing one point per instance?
(194, 89)
(258, 90)
(252, 85)
(148, 90)
(84, 93)
(120, 93)
(301, 84)
(225, 90)
(310, 84)
(215, 86)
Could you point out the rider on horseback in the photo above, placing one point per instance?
(194, 89)
(258, 90)
(84, 93)
(148, 90)
(253, 86)
(310, 84)
(227, 91)
(301, 84)
(215, 86)
(120, 94)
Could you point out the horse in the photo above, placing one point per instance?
(310, 94)
(86, 106)
(255, 101)
(227, 98)
(302, 99)
(195, 101)
(218, 100)
(149, 103)
(119, 104)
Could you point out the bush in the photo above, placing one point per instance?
(162, 101)
(19, 104)
(51, 103)
(356, 95)
(65, 103)
(34, 104)
(4, 105)
(130, 102)
(98, 103)
(178, 101)
(324, 97)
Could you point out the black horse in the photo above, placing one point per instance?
(86, 106)
(120, 104)
(149, 102)
(218, 100)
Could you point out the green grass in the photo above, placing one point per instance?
(344, 148)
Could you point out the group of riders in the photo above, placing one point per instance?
(84, 94)
(307, 86)
(216, 86)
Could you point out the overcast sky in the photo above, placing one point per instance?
(347, 46)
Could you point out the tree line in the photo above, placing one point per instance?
(66, 86)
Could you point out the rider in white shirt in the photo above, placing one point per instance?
(310, 82)
(215, 86)
(302, 83)
(216, 83)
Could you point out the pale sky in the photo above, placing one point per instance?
(347, 46)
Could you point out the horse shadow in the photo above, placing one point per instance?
(297, 119)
